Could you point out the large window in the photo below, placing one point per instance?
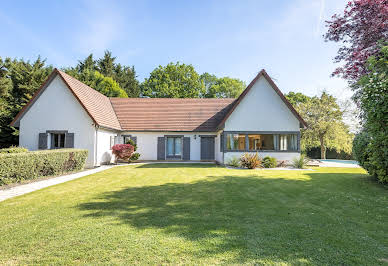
(261, 142)
(235, 142)
(174, 147)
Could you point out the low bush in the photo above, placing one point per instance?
(250, 161)
(13, 149)
(269, 162)
(281, 164)
(16, 167)
(234, 162)
(123, 151)
(300, 162)
(136, 155)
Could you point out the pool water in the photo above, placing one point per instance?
(339, 161)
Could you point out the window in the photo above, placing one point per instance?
(174, 147)
(262, 142)
(288, 142)
(58, 140)
(235, 142)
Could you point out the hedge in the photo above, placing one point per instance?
(16, 167)
(13, 149)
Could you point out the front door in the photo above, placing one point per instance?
(207, 148)
(174, 148)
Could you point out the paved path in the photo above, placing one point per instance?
(27, 188)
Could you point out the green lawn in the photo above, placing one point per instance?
(200, 214)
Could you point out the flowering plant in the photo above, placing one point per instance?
(123, 151)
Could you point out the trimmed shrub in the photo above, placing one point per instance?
(16, 167)
(136, 155)
(234, 161)
(13, 149)
(123, 151)
(365, 153)
(300, 162)
(250, 161)
(269, 162)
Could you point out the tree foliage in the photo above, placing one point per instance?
(372, 97)
(173, 81)
(360, 28)
(125, 76)
(19, 80)
(222, 87)
(178, 80)
(324, 117)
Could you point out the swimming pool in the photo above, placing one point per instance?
(339, 161)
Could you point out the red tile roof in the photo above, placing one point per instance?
(96, 104)
(168, 114)
(152, 114)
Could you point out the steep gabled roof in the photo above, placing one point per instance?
(170, 114)
(276, 89)
(97, 105)
(152, 114)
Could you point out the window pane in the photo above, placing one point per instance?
(261, 142)
(178, 146)
(235, 142)
(170, 146)
(62, 141)
(56, 140)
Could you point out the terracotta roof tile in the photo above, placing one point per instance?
(97, 105)
(167, 114)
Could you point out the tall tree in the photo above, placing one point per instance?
(297, 98)
(372, 97)
(225, 88)
(173, 81)
(106, 65)
(360, 28)
(125, 76)
(324, 117)
(19, 80)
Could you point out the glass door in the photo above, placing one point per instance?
(174, 148)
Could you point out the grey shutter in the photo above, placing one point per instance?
(134, 139)
(117, 140)
(42, 145)
(222, 142)
(69, 140)
(186, 148)
(161, 153)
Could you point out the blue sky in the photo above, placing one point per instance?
(226, 38)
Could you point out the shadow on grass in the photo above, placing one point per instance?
(257, 219)
(178, 165)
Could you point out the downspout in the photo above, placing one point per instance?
(95, 145)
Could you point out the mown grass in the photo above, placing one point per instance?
(200, 214)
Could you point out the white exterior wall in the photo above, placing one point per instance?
(262, 110)
(147, 143)
(219, 154)
(104, 152)
(58, 109)
(280, 156)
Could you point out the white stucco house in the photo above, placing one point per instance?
(64, 112)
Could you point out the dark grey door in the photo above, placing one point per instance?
(207, 148)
